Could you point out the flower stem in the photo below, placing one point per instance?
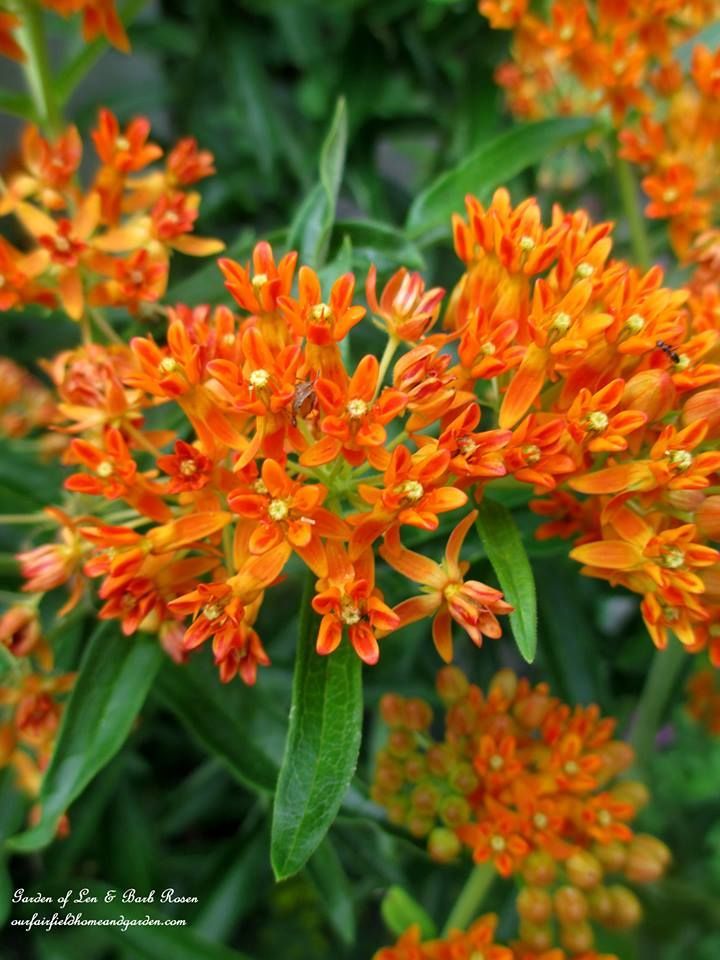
(471, 897)
(37, 66)
(385, 361)
(630, 199)
(661, 680)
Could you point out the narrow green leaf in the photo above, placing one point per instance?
(322, 747)
(6, 891)
(199, 708)
(312, 226)
(115, 676)
(492, 165)
(327, 874)
(505, 550)
(380, 243)
(399, 911)
(709, 37)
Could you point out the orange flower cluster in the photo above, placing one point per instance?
(558, 368)
(529, 785)
(99, 18)
(606, 385)
(477, 941)
(108, 245)
(622, 57)
(704, 699)
(30, 700)
(25, 403)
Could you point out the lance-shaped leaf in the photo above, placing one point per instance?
(493, 164)
(311, 229)
(399, 911)
(505, 550)
(322, 747)
(115, 676)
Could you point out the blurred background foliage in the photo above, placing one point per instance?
(257, 81)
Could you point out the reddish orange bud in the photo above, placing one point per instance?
(401, 743)
(704, 405)
(571, 905)
(419, 825)
(584, 870)
(707, 517)
(463, 778)
(443, 845)
(611, 855)
(392, 710)
(452, 685)
(647, 859)
(418, 715)
(600, 903)
(577, 937)
(539, 869)
(397, 809)
(415, 768)
(626, 909)
(7, 743)
(440, 759)
(424, 799)
(455, 811)
(651, 392)
(618, 756)
(20, 630)
(534, 904)
(536, 936)
(532, 710)
(504, 682)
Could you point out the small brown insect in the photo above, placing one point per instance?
(668, 351)
(304, 403)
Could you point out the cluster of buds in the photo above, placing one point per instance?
(31, 700)
(703, 703)
(109, 245)
(622, 58)
(528, 785)
(26, 404)
(558, 369)
(99, 19)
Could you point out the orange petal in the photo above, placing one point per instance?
(610, 554)
(524, 387)
(442, 634)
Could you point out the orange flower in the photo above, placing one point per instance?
(407, 310)
(471, 604)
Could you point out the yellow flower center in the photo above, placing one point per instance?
(497, 843)
(259, 486)
(321, 311)
(604, 818)
(532, 453)
(527, 244)
(488, 349)
(278, 509)
(670, 195)
(561, 322)
(451, 590)
(467, 446)
(597, 421)
(540, 821)
(413, 491)
(350, 613)
(683, 362)
(680, 459)
(259, 281)
(585, 270)
(496, 762)
(571, 768)
(228, 340)
(62, 244)
(566, 33)
(357, 408)
(673, 558)
(212, 611)
(259, 379)
(104, 469)
(188, 468)
(168, 364)
(634, 323)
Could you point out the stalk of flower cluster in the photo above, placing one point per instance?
(31, 34)
(468, 904)
(661, 680)
(627, 186)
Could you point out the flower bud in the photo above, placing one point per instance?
(417, 715)
(584, 870)
(707, 517)
(704, 405)
(463, 778)
(611, 855)
(600, 903)
(534, 904)
(455, 811)
(617, 756)
(536, 936)
(418, 825)
(504, 682)
(626, 909)
(392, 710)
(632, 792)
(651, 392)
(539, 869)
(646, 860)
(452, 685)
(443, 845)
(439, 759)
(577, 937)
(7, 743)
(571, 905)
(397, 809)
(424, 799)
(401, 743)
(415, 768)
(532, 710)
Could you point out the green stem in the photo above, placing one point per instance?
(37, 66)
(660, 683)
(385, 361)
(471, 897)
(634, 215)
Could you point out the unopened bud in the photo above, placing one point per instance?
(646, 860)
(463, 778)
(626, 909)
(584, 870)
(443, 845)
(632, 792)
(532, 710)
(534, 904)
(415, 768)
(418, 825)
(424, 799)
(392, 710)
(577, 937)
(571, 905)
(401, 743)
(539, 869)
(537, 936)
(651, 392)
(452, 684)
(418, 715)
(440, 760)
(455, 811)
(504, 682)
(611, 855)
(600, 903)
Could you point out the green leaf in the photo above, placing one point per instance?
(322, 747)
(492, 165)
(379, 243)
(311, 229)
(6, 891)
(505, 550)
(115, 676)
(709, 37)
(198, 706)
(399, 911)
(326, 872)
